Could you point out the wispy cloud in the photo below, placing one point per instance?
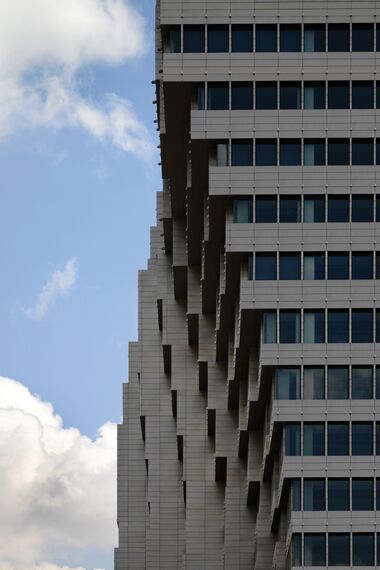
(59, 284)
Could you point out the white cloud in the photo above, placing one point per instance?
(57, 486)
(45, 44)
(59, 284)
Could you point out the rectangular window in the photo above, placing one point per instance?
(266, 209)
(290, 37)
(241, 96)
(313, 266)
(296, 494)
(338, 495)
(362, 383)
(266, 38)
(338, 326)
(378, 549)
(362, 266)
(363, 549)
(290, 209)
(362, 208)
(270, 327)
(222, 154)
(314, 326)
(377, 265)
(362, 494)
(296, 550)
(377, 152)
(338, 209)
(217, 38)
(377, 325)
(314, 383)
(362, 438)
(250, 267)
(362, 37)
(201, 97)
(288, 384)
(377, 438)
(377, 37)
(243, 211)
(377, 379)
(315, 549)
(314, 95)
(314, 439)
(362, 94)
(314, 37)
(337, 438)
(242, 38)
(266, 267)
(314, 495)
(314, 209)
(339, 549)
(290, 266)
(266, 95)
(314, 152)
(290, 95)
(378, 499)
(292, 440)
(173, 39)
(290, 152)
(339, 37)
(337, 383)
(193, 39)
(266, 152)
(339, 94)
(242, 153)
(339, 152)
(218, 97)
(362, 325)
(338, 266)
(362, 152)
(290, 327)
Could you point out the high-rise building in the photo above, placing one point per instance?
(251, 432)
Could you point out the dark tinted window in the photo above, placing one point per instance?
(338, 495)
(266, 95)
(362, 152)
(313, 383)
(362, 494)
(338, 209)
(378, 94)
(315, 549)
(313, 326)
(339, 549)
(292, 439)
(290, 327)
(377, 325)
(377, 265)
(288, 384)
(362, 37)
(362, 94)
(290, 152)
(362, 549)
(242, 210)
(217, 39)
(242, 153)
(362, 382)
(296, 556)
(296, 494)
(217, 96)
(339, 37)
(314, 37)
(338, 266)
(314, 439)
(337, 437)
(290, 209)
(174, 39)
(290, 37)
(250, 267)
(362, 208)
(242, 96)
(314, 95)
(314, 266)
(339, 94)
(290, 266)
(266, 38)
(193, 39)
(377, 438)
(377, 208)
(362, 325)
(242, 38)
(201, 97)
(314, 209)
(377, 151)
(290, 95)
(266, 209)
(314, 152)
(339, 152)
(314, 495)
(337, 383)
(362, 438)
(338, 325)
(266, 152)
(378, 502)
(266, 266)
(378, 37)
(362, 266)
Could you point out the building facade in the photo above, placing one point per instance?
(251, 432)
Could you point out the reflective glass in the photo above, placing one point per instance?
(314, 326)
(337, 383)
(362, 383)
(339, 549)
(242, 38)
(288, 382)
(266, 38)
(217, 96)
(362, 325)
(290, 209)
(314, 495)
(290, 266)
(339, 94)
(174, 39)
(290, 95)
(362, 438)
(338, 209)
(266, 95)
(242, 153)
(362, 549)
(193, 39)
(266, 209)
(266, 152)
(338, 266)
(362, 94)
(296, 550)
(217, 38)
(266, 267)
(338, 326)
(338, 495)
(362, 208)
(315, 549)
(362, 37)
(338, 152)
(314, 209)
(290, 327)
(338, 37)
(314, 95)
(242, 210)
(313, 383)
(314, 439)
(290, 37)
(242, 96)
(290, 152)
(362, 152)
(222, 154)
(362, 494)
(314, 37)
(314, 152)
(270, 327)
(292, 439)
(362, 266)
(313, 266)
(337, 437)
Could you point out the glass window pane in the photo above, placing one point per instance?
(242, 210)
(338, 495)
(290, 209)
(362, 325)
(193, 39)
(242, 153)
(242, 96)
(377, 265)
(362, 37)
(201, 97)
(222, 154)
(362, 438)
(362, 266)
(338, 265)
(377, 382)
(290, 266)
(339, 94)
(339, 549)
(314, 326)
(266, 209)
(377, 157)
(314, 209)
(313, 266)
(314, 495)
(338, 209)
(337, 383)
(217, 96)
(266, 38)
(217, 38)
(266, 152)
(250, 267)
(315, 549)
(377, 438)
(338, 152)
(378, 499)
(266, 95)
(362, 94)
(290, 327)
(362, 208)
(290, 37)
(314, 95)
(296, 494)
(362, 494)
(314, 37)
(290, 152)
(338, 326)
(339, 37)
(288, 384)
(174, 39)
(242, 38)
(270, 327)
(314, 152)
(314, 383)
(290, 95)
(378, 37)
(266, 267)
(362, 382)
(296, 550)
(377, 325)
(337, 437)
(362, 549)
(292, 439)
(362, 152)
(314, 439)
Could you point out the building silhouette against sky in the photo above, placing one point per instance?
(251, 432)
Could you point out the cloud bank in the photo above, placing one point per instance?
(57, 486)
(44, 45)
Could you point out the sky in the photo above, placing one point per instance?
(79, 173)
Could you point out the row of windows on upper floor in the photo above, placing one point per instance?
(315, 266)
(285, 95)
(327, 382)
(321, 325)
(335, 548)
(297, 152)
(266, 38)
(294, 209)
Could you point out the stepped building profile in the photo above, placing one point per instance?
(251, 431)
